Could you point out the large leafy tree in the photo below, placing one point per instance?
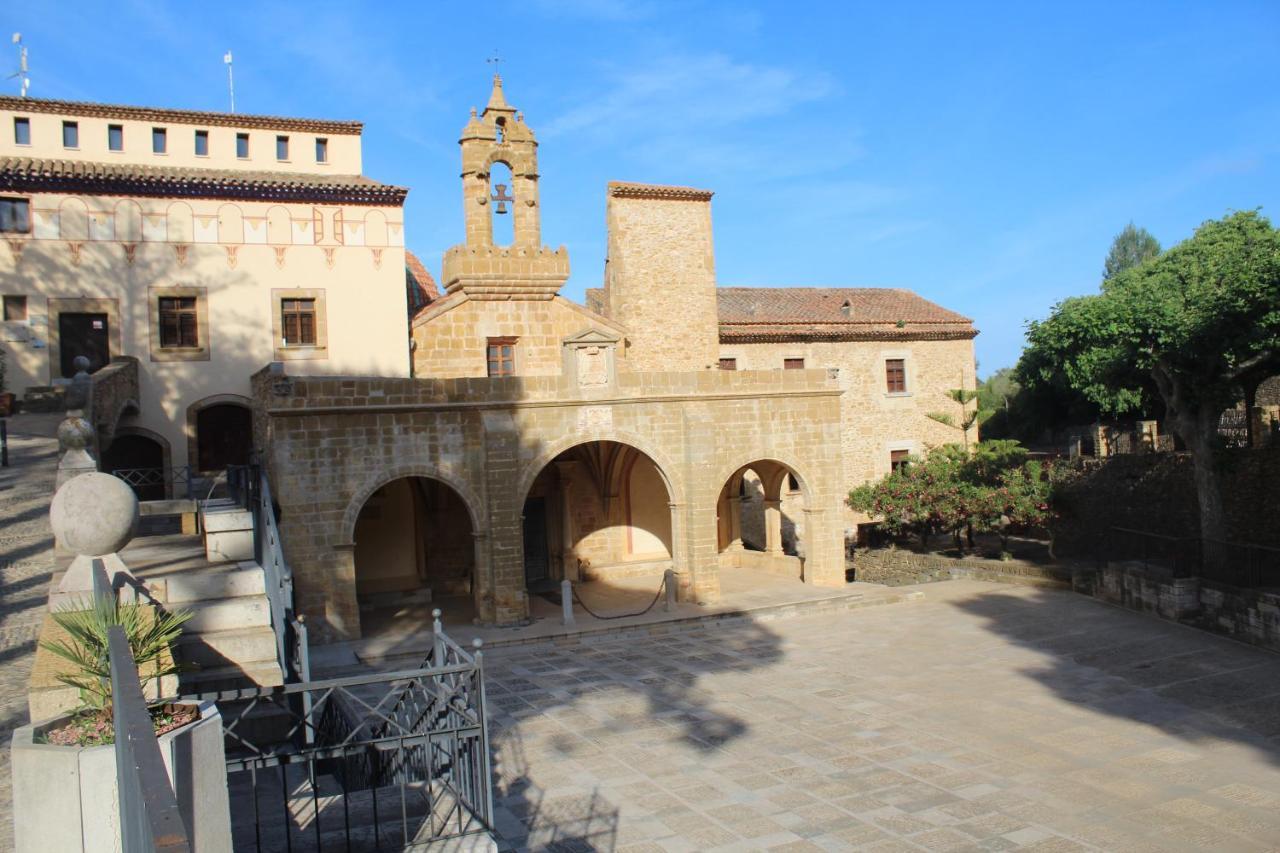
(1193, 326)
(1131, 247)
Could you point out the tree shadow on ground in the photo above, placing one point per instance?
(551, 706)
(1187, 683)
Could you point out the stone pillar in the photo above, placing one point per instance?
(506, 517)
(1259, 428)
(735, 523)
(824, 555)
(568, 554)
(773, 526)
(482, 577)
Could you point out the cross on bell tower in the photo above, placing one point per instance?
(526, 268)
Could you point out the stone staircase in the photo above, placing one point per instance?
(229, 640)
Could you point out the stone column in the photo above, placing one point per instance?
(482, 577)
(735, 523)
(773, 526)
(568, 554)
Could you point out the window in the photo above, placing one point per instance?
(22, 131)
(115, 137)
(202, 143)
(728, 364)
(298, 322)
(70, 134)
(15, 215)
(282, 148)
(159, 140)
(793, 364)
(322, 150)
(895, 375)
(179, 326)
(502, 356)
(899, 459)
(792, 484)
(242, 146)
(15, 309)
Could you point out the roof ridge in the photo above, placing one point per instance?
(222, 119)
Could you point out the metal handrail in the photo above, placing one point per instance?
(173, 475)
(276, 575)
(150, 821)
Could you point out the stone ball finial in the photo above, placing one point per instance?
(94, 514)
(81, 364)
(74, 434)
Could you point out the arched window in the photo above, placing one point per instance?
(500, 186)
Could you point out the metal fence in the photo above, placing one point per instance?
(386, 761)
(1233, 563)
(158, 483)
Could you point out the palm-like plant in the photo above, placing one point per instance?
(149, 631)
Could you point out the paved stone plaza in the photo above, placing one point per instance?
(985, 717)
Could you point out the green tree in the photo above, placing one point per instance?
(969, 418)
(1192, 327)
(1131, 247)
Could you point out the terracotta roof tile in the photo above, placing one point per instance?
(218, 119)
(75, 176)
(422, 289)
(627, 189)
(798, 313)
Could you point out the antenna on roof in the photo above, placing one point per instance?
(24, 81)
(231, 80)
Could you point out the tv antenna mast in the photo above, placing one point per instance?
(231, 80)
(24, 82)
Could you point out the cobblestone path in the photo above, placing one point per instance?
(988, 717)
(26, 564)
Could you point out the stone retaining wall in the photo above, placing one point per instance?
(1251, 616)
(901, 567)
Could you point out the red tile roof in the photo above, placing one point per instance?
(77, 176)
(661, 192)
(218, 119)
(421, 286)
(834, 313)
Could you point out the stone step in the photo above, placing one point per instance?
(222, 648)
(231, 677)
(228, 614)
(219, 582)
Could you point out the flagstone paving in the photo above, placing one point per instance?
(988, 717)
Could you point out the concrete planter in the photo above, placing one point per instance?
(65, 798)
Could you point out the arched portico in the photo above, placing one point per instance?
(760, 518)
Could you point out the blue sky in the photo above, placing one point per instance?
(983, 155)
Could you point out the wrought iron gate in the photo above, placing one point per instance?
(384, 761)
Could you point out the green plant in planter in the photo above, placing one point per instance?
(149, 631)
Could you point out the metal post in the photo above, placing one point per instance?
(566, 602)
(437, 638)
(669, 581)
(486, 759)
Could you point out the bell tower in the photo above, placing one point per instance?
(524, 269)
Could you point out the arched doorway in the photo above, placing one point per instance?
(414, 551)
(760, 519)
(141, 460)
(223, 436)
(598, 511)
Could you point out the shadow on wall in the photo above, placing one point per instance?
(1188, 684)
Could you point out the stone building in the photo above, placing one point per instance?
(196, 247)
(668, 424)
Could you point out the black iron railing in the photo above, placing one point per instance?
(385, 761)
(158, 483)
(1233, 563)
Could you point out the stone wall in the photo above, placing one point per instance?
(333, 441)
(902, 567)
(660, 280)
(1156, 493)
(1249, 615)
(876, 422)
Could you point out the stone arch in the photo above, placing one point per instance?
(666, 467)
(783, 460)
(112, 456)
(470, 499)
(73, 219)
(193, 413)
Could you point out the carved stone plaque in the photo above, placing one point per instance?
(593, 367)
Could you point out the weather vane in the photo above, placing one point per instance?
(494, 60)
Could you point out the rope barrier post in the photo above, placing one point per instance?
(437, 638)
(669, 582)
(566, 601)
